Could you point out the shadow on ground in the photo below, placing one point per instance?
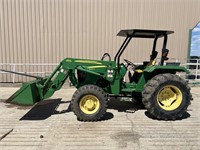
(45, 109)
(125, 105)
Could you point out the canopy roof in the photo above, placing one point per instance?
(143, 33)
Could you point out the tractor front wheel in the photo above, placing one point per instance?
(166, 96)
(89, 103)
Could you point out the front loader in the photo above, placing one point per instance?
(164, 94)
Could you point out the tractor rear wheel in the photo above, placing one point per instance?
(89, 103)
(166, 96)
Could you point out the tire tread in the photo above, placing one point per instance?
(151, 87)
(92, 89)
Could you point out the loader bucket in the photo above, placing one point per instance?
(28, 94)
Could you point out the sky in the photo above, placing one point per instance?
(195, 43)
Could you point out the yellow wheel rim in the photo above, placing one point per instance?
(169, 97)
(89, 104)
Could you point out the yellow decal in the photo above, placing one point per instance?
(90, 67)
(68, 60)
(139, 71)
(88, 61)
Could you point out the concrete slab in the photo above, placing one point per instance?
(51, 125)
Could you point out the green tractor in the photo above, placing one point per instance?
(164, 94)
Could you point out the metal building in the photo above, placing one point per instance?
(43, 32)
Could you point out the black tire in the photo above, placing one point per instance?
(153, 89)
(97, 94)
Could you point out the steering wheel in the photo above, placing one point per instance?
(106, 55)
(129, 63)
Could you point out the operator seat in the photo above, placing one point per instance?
(152, 61)
(137, 72)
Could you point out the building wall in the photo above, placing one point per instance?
(46, 31)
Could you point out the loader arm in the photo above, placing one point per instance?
(41, 88)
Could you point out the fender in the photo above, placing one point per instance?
(151, 71)
(168, 68)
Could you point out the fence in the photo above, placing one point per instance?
(194, 66)
(45, 69)
(32, 69)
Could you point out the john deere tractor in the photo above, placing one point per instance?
(164, 94)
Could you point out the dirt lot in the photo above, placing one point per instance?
(51, 125)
